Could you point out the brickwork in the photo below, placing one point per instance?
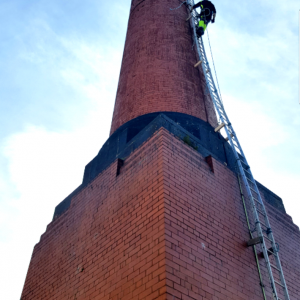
(110, 242)
(157, 72)
(287, 236)
(166, 227)
(206, 232)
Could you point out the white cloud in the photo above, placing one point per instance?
(44, 168)
(269, 146)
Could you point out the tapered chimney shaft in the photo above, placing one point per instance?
(157, 72)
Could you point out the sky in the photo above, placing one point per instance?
(59, 67)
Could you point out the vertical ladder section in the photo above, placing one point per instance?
(263, 229)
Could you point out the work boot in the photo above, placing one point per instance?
(200, 31)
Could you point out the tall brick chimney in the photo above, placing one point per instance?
(159, 214)
(157, 73)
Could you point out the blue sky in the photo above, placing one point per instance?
(59, 68)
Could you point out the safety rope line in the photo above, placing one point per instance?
(178, 6)
(136, 6)
(214, 66)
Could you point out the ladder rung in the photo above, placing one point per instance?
(211, 86)
(275, 267)
(236, 145)
(229, 129)
(250, 180)
(279, 283)
(247, 171)
(223, 118)
(261, 212)
(253, 190)
(268, 250)
(256, 200)
(263, 224)
(267, 238)
(188, 17)
(248, 167)
(227, 138)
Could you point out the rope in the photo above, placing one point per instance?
(214, 66)
(178, 6)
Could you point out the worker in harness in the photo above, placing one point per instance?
(207, 14)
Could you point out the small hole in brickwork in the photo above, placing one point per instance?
(120, 163)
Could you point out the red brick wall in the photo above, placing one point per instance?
(288, 237)
(110, 243)
(165, 228)
(206, 231)
(157, 72)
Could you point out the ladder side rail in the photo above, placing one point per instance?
(208, 77)
(258, 228)
(271, 237)
(274, 247)
(202, 56)
(256, 216)
(192, 22)
(216, 99)
(273, 243)
(257, 221)
(258, 225)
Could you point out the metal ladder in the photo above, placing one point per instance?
(266, 241)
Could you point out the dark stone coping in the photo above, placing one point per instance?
(195, 132)
(270, 197)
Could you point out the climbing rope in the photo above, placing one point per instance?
(214, 66)
(178, 6)
(136, 6)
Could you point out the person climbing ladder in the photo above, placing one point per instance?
(207, 14)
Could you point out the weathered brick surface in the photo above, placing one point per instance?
(287, 236)
(110, 243)
(157, 72)
(166, 228)
(206, 231)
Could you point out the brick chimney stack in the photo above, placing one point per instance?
(159, 213)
